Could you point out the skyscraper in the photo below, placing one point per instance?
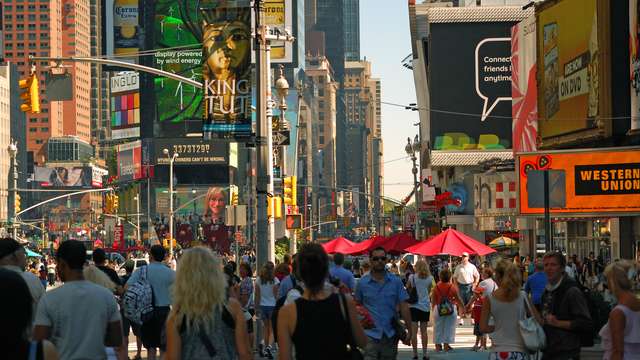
(51, 28)
(351, 30)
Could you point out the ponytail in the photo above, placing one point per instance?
(508, 278)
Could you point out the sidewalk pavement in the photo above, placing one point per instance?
(461, 348)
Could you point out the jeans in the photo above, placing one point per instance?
(383, 349)
(465, 292)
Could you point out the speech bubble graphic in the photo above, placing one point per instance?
(493, 72)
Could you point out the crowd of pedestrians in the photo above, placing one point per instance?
(309, 306)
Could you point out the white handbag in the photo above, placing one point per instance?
(532, 332)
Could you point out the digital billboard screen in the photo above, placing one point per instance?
(470, 69)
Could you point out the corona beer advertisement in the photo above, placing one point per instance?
(125, 27)
(569, 68)
(227, 71)
(595, 181)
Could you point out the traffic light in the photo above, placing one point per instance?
(17, 204)
(30, 94)
(108, 204)
(277, 207)
(115, 204)
(290, 191)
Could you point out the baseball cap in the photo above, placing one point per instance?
(8, 246)
(465, 254)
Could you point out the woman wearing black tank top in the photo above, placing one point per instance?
(16, 314)
(316, 324)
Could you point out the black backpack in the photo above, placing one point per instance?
(280, 303)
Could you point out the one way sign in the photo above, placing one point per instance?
(281, 138)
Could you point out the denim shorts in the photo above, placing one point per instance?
(266, 312)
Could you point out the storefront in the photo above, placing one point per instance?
(594, 197)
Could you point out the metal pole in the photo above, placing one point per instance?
(138, 216)
(148, 207)
(264, 157)
(171, 206)
(415, 182)
(15, 190)
(547, 215)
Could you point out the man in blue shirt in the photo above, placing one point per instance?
(381, 293)
(345, 276)
(535, 285)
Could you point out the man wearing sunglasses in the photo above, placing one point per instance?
(382, 293)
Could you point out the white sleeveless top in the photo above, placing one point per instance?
(631, 335)
(506, 336)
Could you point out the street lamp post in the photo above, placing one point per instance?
(282, 90)
(137, 199)
(172, 158)
(412, 149)
(13, 152)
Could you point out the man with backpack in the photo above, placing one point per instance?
(567, 320)
(159, 278)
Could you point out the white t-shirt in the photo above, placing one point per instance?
(465, 274)
(35, 286)
(51, 269)
(267, 297)
(489, 286)
(78, 314)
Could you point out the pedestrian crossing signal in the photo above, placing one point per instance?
(294, 221)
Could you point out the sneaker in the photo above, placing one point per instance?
(267, 352)
(261, 350)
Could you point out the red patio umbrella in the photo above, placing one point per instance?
(397, 243)
(450, 242)
(338, 245)
(367, 245)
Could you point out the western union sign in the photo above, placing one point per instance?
(607, 179)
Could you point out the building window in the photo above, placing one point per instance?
(32, 36)
(20, 36)
(38, 141)
(32, 17)
(321, 104)
(33, 120)
(320, 92)
(44, 129)
(33, 130)
(321, 140)
(321, 115)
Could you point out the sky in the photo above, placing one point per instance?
(385, 40)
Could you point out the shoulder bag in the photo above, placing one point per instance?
(532, 332)
(352, 349)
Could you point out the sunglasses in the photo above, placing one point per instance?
(379, 258)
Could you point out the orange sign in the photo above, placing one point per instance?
(595, 181)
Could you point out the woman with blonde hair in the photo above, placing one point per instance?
(266, 290)
(621, 335)
(204, 323)
(507, 305)
(423, 282)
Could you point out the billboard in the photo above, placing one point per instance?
(596, 181)
(278, 16)
(178, 44)
(122, 27)
(634, 61)
(69, 176)
(197, 207)
(470, 71)
(125, 105)
(524, 86)
(227, 72)
(192, 151)
(571, 69)
(130, 161)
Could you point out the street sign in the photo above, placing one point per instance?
(281, 138)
